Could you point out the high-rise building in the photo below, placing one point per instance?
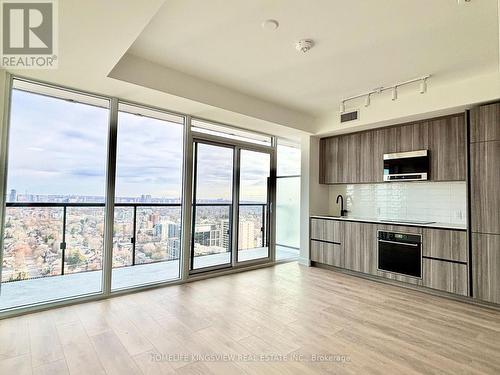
(13, 196)
(173, 248)
(246, 235)
(226, 238)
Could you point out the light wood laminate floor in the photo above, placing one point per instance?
(291, 313)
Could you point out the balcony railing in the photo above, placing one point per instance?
(55, 239)
(49, 240)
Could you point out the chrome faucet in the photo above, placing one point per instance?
(342, 211)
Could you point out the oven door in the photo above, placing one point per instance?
(400, 257)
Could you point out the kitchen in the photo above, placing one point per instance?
(415, 204)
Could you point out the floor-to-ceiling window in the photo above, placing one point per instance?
(56, 182)
(62, 198)
(287, 200)
(147, 215)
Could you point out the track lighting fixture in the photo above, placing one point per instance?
(394, 89)
(367, 100)
(423, 86)
(394, 93)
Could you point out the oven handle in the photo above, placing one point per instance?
(400, 243)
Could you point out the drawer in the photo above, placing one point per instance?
(446, 276)
(326, 230)
(445, 244)
(327, 253)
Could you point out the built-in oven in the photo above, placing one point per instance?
(400, 253)
(406, 166)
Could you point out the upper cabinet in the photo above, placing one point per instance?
(485, 123)
(485, 169)
(358, 157)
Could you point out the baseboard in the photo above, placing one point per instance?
(304, 261)
(437, 293)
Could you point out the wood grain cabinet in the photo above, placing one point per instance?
(486, 266)
(326, 245)
(358, 157)
(326, 230)
(327, 253)
(485, 123)
(360, 247)
(447, 142)
(445, 244)
(485, 185)
(450, 277)
(485, 201)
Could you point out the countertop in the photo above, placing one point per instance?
(385, 222)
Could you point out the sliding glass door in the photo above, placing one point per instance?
(253, 212)
(212, 206)
(231, 202)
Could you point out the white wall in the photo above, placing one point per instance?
(441, 98)
(313, 197)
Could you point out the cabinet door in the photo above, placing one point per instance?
(333, 160)
(486, 266)
(485, 182)
(327, 253)
(353, 162)
(379, 141)
(446, 276)
(485, 123)
(360, 247)
(445, 244)
(391, 136)
(447, 148)
(328, 151)
(367, 171)
(326, 230)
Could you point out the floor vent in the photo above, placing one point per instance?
(349, 116)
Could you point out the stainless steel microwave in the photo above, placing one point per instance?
(406, 166)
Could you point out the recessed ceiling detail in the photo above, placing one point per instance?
(368, 45)
(270, 25)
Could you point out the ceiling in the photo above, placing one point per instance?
(359, 45)
(94, 35)
(212, 59)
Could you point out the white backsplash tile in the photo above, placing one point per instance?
(430, 201)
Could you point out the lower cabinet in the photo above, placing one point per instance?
(445, 261)
(450, 277)
(486, 266)
(445, 244)
(360, 247)
(328, 253)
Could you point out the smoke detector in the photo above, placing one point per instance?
(304, 45)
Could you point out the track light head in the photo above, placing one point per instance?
(367, 100)
(423, 86)
(394, 93)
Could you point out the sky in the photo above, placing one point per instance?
(60, 147)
